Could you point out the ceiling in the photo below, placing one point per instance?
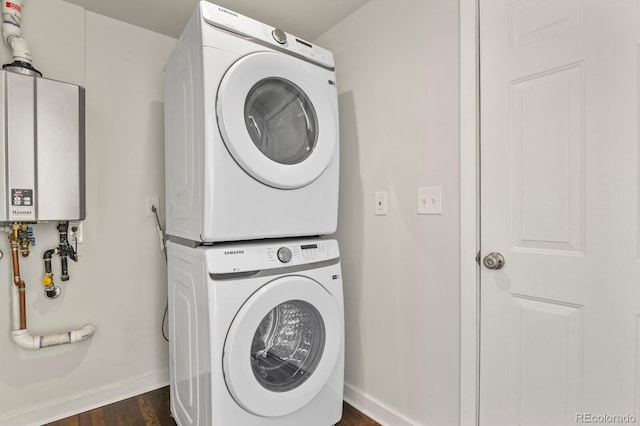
(306, 19)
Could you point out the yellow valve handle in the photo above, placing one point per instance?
(47, 280)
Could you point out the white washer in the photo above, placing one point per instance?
(256, 333)
(251, 132)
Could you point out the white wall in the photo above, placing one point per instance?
(397, 71)
(119, 284)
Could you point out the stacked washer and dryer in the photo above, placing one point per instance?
(256, 315)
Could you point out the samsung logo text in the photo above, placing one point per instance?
(230, 252)
(228, 12)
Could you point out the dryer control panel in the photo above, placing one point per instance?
(276, 38)
(238, 257)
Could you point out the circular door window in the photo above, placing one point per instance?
(287, 346)
(278, 118)
(282, 346)
(281, 121)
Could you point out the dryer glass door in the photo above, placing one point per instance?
(278, 118)
(281, 120)
(282, 346)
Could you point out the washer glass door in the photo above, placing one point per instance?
(278, 118)
(287, 346)
(282, 346)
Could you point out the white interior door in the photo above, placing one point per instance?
(560, 322)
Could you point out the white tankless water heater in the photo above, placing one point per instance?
(42, 148)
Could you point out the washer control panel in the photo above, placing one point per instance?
(245, 257)
(309, 251)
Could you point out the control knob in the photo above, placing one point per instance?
(279, 36)
(284, 255)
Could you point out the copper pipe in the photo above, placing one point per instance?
(23, 306)
(13, 240)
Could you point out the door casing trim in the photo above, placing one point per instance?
(469, 212)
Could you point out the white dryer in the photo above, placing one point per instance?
(256, 333)
(251, 132)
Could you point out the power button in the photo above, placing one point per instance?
(284, 255)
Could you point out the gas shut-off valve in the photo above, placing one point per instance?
(64, 250)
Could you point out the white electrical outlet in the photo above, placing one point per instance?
(75, 232)
(151, 200)
(380, 207)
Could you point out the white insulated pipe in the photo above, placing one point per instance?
(12, 32)
(22, 338)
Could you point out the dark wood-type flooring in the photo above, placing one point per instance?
(152, 409)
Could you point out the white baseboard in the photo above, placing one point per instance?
(82, 403)
(374, 408)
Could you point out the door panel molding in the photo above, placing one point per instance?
(547, 116)
(528, 24)
(536, 395)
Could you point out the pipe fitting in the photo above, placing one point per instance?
(15, 231)
(20, 237)
(46, 257)
(23, 339)
(24, 247)
(12, 31)
(52, 291)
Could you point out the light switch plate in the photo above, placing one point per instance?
(429, 200)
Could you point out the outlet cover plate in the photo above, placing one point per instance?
(380, 207)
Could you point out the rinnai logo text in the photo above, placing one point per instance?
(228, 12)
(589, 418)
(21, 212)
(229, 252)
